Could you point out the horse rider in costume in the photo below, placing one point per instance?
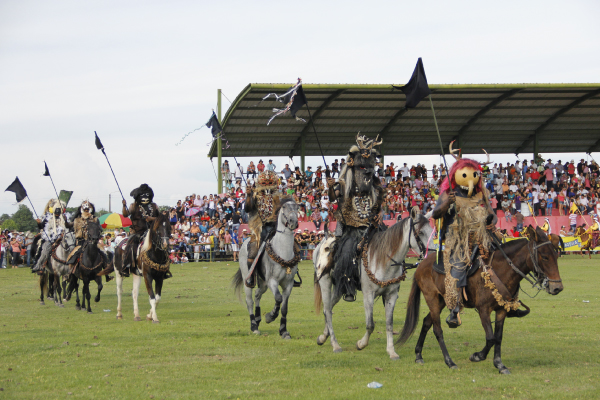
(546, 227)
(359, 195)
(466, 214)
(142, 212)
(594, 232)
(262, 205)
(52, 225)
(83, 216)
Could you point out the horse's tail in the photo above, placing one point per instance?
(318, 296)
(412, 313)
(237, 283)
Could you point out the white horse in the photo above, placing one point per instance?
(270, 274)
(380, 278)
(60, 268)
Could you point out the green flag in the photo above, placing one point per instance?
(65, 196)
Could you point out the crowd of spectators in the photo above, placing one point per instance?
(15, 248)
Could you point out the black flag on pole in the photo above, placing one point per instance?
(46, 172)
(293, 99)
(214, 124)
(18, 189)
(99, 145)
(416, 89)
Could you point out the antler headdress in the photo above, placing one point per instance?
(365, 145)
(457, 154)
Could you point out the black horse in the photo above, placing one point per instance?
(88, 266)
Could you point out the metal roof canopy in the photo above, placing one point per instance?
(502, 118)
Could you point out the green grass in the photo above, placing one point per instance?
(203, 348)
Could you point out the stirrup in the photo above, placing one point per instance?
(453, 320)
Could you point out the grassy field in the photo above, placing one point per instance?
(203, 348)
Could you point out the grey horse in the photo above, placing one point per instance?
(271, 275)
(385, 258)
(60, 268)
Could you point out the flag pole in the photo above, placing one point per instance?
(51, 180)
(327, 172)
(32, 207)
(439, 136)
(110, 166)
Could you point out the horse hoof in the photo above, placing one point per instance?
(419, 361)
(148, 318)
(395, 357)
(454, 366)
(337, 350)
(119, 317)
(286, 336)
(89, 312)
(256, 332)
(475, 357)
(504, 371)
(77, 308)
(61, 305)
(42, 303)
(268, 319)
(137, 319)
(156, 322)
(96, 299)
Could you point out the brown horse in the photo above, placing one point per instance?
(536, 256)
(586, 240)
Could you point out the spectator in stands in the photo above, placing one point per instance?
(335, 168)
(261, 166)
(270, 166)
(251, 170)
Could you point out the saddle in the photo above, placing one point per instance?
(439, 266)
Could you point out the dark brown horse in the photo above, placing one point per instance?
(537, 256)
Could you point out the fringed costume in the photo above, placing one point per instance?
(52, 225)
(466, 215)
(359, 195)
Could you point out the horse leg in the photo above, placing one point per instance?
(283, 332)
(427, 322)
(484, 316)
(50, 294)
(260, 290)
(98, 280)
(389, 300)
(64, 287)
(134, 295)
(274, 313)
(439, 335)
(88, 295)
(368, 300)
(57, 291)
(328, 303)
(43, 288)
(151, 316)
(119, 280)
(500, 318)
(158, 284)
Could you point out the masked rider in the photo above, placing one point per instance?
(52, 226)
(359, 195)
(466, 216)
(84, 215)
(142, 213)
(261, 204)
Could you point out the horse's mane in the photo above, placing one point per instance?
(385, 244)
(282, 201)
(514, 245)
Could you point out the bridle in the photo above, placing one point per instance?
(421, 246)
(286, 220)
(538, 278)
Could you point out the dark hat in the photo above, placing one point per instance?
(144, 188)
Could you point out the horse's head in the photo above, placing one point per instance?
(545, 260)
(288, 214)
(421, 231)
(323, 256)
(161, 231)
(94, 231)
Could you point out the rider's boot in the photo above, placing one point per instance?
(453, 319)
(252, 254)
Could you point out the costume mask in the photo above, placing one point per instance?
(145, 198)
(467, 178)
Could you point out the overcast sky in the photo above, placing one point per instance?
(144, 73)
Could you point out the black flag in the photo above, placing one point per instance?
(416, 89)
(47, 172)
(299, 101)
(214, 124)
(18, 189)
(99, 145)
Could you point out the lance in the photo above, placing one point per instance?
(47, 173)
(99, 146)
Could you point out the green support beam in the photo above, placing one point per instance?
(219, 146)
(302, 152)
